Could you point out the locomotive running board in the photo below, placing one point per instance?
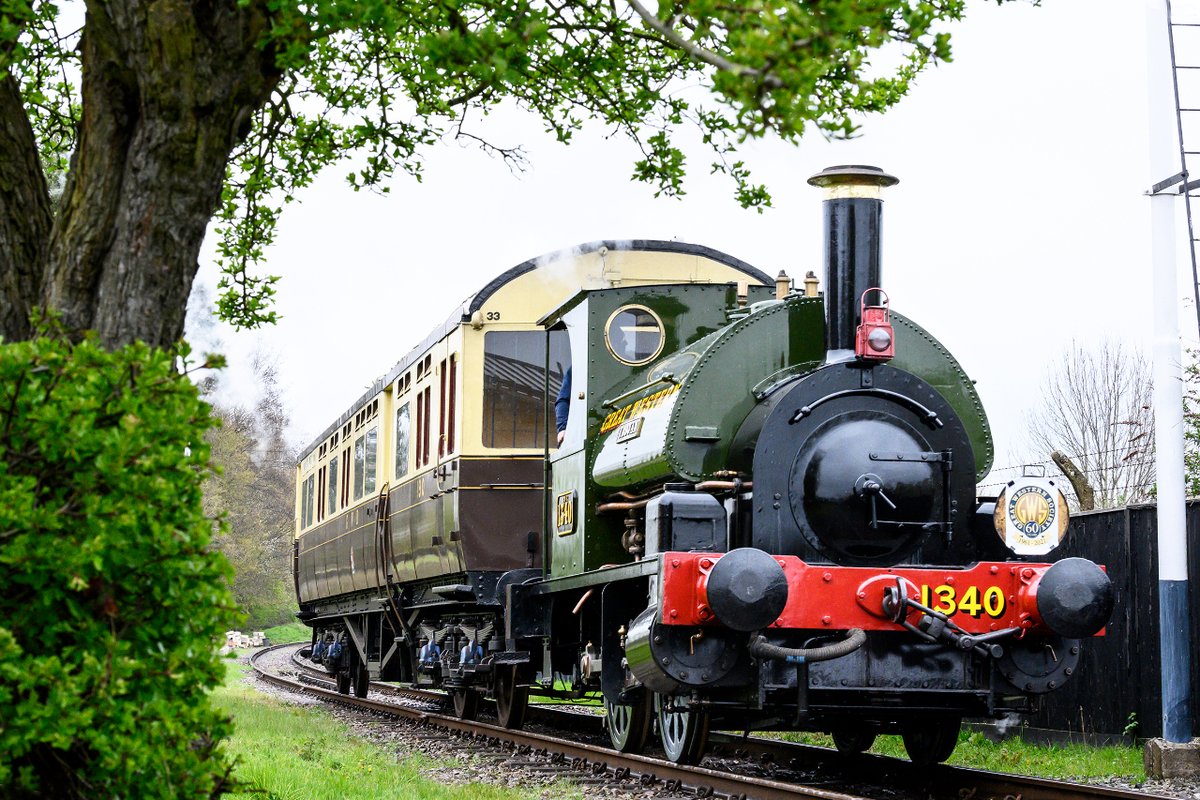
(647, 567)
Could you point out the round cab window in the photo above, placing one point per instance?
(634, 334)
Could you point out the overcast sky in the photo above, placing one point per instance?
(1019, 223)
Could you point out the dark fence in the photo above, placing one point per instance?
(1117, 689)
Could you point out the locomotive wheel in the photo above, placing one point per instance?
(629, 725)
(512, 699)
(932, 742)
(466, 704)
(343, 681)
(853, 739)
(684, 732)
(362, 680)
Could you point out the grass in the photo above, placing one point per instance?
(302, 753)
(1065, 762)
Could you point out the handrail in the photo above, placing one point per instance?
(666, 377)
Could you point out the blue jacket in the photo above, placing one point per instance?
(562, 404)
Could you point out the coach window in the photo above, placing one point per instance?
(320, 494)
(424, 415)
(303, 505)
(515, 402)
(345, 476)
(403, 428)
(369, 477)
(360, 463)
(446, 393)
(333, 485)
(306, 502)
(420, 419)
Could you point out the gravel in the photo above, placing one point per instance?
(456, 760)
(1174, 787)
(461, 761)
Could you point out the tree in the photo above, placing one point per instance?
(252, 492)
(182, 109)
(1095, 422)
(1191, 424)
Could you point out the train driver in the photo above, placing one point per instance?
(562, 406)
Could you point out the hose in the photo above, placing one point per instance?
(855, 638)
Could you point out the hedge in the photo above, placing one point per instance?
(111, 599)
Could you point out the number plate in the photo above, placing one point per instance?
(975, 601)
(630, 430)
(564, 513)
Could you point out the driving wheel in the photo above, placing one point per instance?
(684, 731)
(629, 724)
(856, 739)
(932, 742)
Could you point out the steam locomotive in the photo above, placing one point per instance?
(760, 513)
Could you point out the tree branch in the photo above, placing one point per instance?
(1079, 481)
(701, 54)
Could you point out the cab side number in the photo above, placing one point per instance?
(564, 513)
(944, 599)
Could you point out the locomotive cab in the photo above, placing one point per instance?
(623, 392)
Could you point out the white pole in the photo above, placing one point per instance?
(1165, 161)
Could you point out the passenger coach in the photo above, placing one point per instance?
(449, 449)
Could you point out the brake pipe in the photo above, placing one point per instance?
(855, 638)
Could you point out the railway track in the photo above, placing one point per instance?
(555, 716)
(737, 767)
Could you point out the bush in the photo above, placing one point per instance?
(291, 632)
(113, 600)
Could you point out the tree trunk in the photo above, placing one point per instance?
(1079, 482)
(25, 214)
(168, 90)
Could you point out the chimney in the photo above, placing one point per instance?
(853, 212)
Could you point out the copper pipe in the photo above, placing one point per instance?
(704, 486)
(600, 509)
(587, 595)
(709, 486)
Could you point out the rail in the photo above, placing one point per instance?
(886, 774)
